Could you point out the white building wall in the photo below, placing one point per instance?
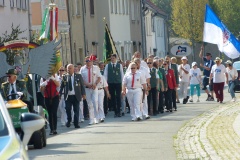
(150, 41)
(15, 16)
(120, 27)
(159, 25)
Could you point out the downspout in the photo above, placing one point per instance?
(142, 5)
(70, 29)
(84, 27)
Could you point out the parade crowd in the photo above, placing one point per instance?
(140, 87)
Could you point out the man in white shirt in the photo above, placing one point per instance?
(183, 70)
(91, 77)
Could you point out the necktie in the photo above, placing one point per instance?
(133, 76)
(89, 75)
(70, 83)
(113, 66)
(13, 91)
(150, 69)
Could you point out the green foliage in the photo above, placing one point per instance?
(15, 32)
(188, 18)
(228, 12)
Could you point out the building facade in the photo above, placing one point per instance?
(156, 31)
(87, 26)
(15, 13)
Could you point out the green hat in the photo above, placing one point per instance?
(12, 71)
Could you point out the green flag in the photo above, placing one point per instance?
(108, 46)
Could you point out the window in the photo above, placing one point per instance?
(91, 7)
(153, 24)
(12, 3)
(137, 12)
(19, 2)
(2, 3)
(77, 7)
(119, 7)
(127, 9)
(123, 7)
(111, 5)
(62, 3)
(133, 10)
(73, 7)
(116, 6)
(24, 4)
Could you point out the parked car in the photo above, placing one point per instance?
(237, 66)
(11, 147)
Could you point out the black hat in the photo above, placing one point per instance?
(12, 71)
(208, 54)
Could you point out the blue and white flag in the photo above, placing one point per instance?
(217, 33)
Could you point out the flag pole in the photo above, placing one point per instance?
(109, 33)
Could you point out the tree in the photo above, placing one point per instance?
(164, 5)
(188, 18)
(228, 12)
(15, 32)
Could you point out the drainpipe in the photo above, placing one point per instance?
(84, 27)
(70, 28)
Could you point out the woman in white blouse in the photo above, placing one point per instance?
(195, 80)
(232, 75)
(132, 86)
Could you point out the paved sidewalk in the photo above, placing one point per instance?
(212, 135)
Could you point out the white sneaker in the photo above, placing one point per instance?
(95, 121)
(134, 119)
(91, 122)
(234, 99)
(198, 100)
(191, 100)
(81, 120)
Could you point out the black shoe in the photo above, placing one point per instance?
(170, 110)
(54, 132)
(68, 124)
(184, 101)
(161, 111)
(211, 99)
(177, 101)
(138, 119)
(77, 126)
(51, 133)
(123, 114)
(102, 120)
(119, 115)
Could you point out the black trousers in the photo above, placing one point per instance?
(170, 99)
(40, 100)
(52, 107)
(72, 102)
(152, 97)
(29, 105)
(161, 100)
(85, 109)
(115, 92)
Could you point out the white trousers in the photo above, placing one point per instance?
(183, 89)
(101, 114)
(62, 109)
(81, 111)
(134, 97)
(144, 106)
(92, 101)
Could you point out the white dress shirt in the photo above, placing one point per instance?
(94, 74)
(139, 80)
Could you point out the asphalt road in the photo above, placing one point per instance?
(120, 138)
